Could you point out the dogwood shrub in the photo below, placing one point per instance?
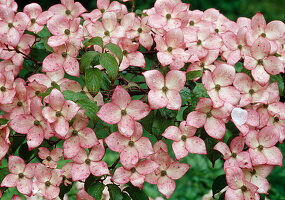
(76, 86)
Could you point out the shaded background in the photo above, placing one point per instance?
(198, 180)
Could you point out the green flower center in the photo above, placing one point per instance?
(217, 87)
(199, 42)
(140, 30)
(21, 175)
(191, 23)
(68, 12)
(33, 20)
(169, 49)
(131, 143)
(133, 170)
(102, 10)
(88, 161)
(37, 123)
(19, 103)
(48, 158)
(260, 148)
(260, 62)
(168, 16)
(3, 89)
(10, 25)
(47, 183)
(243, 188)
(164, 89)
(183, 138)
(209, 114)
(64, 54)
(239, 46)
(163, 173)
(123, 112)
(234, 155)
(107, 33)
(263, 35)
(251, 91)
(276, 119)
(125, 52)
(75, 132)
(58, 114)
(67, 32)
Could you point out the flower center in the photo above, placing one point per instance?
(75, 132)
(199, 42)
(68, 12)
(243, 188)
(3, 89)
(10, 25)
(102, 10)
(131, 143)
(265, 106)
(169, 49)
(217, 87)
(263, 35)
(123, 112)
(260, 148)
(163, 173)
(48, 158)
(217, 30)
(253, 172)
(251, 91)
(140, 30)
(107, 33)
(125, 52)
(164, 89)
(21, 175)
(47, 183)
(53, 84)
(37, 93)
(183, 138)
(168, 16)
(64, 54)
(88, 161)
(234, 155)
(239, 46)
(191, 23)
(37, 123)
(67, 32)
(133, 170)
(202, 65)
(260, 62)
(33, 20)
(58, 114)
(209, 114)
(19, 103)
(276, 119)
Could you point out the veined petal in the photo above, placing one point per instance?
(110, 113)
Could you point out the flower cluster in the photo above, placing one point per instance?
(185, 42)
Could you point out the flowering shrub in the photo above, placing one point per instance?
(75, 86)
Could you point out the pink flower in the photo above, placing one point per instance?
(123, 111)
(21, 175)
(83, 195)
(209, 117)
(84, 165)
(239, 187)
(64, 56)
(12, 26)
(165, 92)
(4, 140)
(135, 175)
(47, 182)
(260, 64)
(171, 49)
(50, 158)
(34, 125)
(184, 140)
(261, 147)
(234, 156)
(132, 149)
(218, 85)
(68, 8)
(69, 30)
(79, 136)
(7, 90)
(60, 112)
(38, 18)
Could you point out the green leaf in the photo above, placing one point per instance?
(94, 41)
(125, 196)
(116, 50)
(47, 47)
(96, 190)
(25, 153)
(86, 60)
(74, 96)
(109, 62)
(193, 74)
(219, 183)
(44, 33)
(115, 192)
(39, 54)
(280, 82)
(89, 181)
(93, 78)
(91, 108)
(135, 193)
(2, 112)
(3, 172)
(160, 123)
(64, 189)
(147, 122)
(168, 114)
(3, 121)
(16, 142)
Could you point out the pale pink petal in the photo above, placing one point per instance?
(196, 145)
(242, 82)
(35, 137)
(275, 30)
(49, 114)
(224, 75)
(232, 194)
(121, 176)
(260, 48)
(154, 79)
(268, 137)
(42, 173)
(258, 23)
(80, 171)
(58, 24)
(137, 180)
(109, 21)
(177, 170)
(196, 119)
(55, 41)
(126, 126)
(137, 109)
(121, 97)
(260, 75)
(146, 167)
(52, 192)
(99, 168)
(273, 65)
(164, 58)
(179, 149)
(129, 157)
(157, 99)
(69, 109)
(215, 128)
(174, 100)
(172, 133)
(16, 164)
(25, 186)
(87, 138)
(235, 177)
(223, 149)
(10, 180)
(237, 144)
(106, 109)
(116, 142)
(97, 152)
(71, 147)
(175, 80)
(71, 66)
(83, 195)
(144, 147)
(22, 123)
(166, 186)
(273, 156)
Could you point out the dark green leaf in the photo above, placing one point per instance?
(39, 54)
(16, 142)
(110, 64)
(74, 96)
(193, 74)
(86, 60)
(64, 189)
(47, 47)
(3, 121)
(96, 190)
(25, 153)
(135, 193)
(160, 123)
(125, 196)
(44, 33)
(29, 65)
(91, 108)
(115, 192)
(116, 50)
(89, 181)
(2, 112)
(3, 172)
(219, 183)
(147, 122)
(168, 114)
(93, 78)
(222, 196)
(94, 41)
